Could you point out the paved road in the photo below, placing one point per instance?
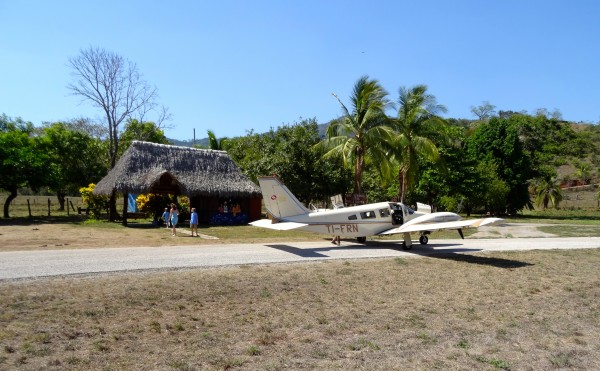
(32, 264)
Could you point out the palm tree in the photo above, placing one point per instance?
(417, 123)
(547, 191)
(214, 143)
(359, 136)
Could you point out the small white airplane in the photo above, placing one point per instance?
(357, 221)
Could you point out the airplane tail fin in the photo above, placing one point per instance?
(278, 199)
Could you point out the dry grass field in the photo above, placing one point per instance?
(520, 311)
(535, 310)
(39, 235)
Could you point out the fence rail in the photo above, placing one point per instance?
(23, 206)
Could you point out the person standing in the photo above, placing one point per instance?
(165, 217)
(194, 222)
(174, 218)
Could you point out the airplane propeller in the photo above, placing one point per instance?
(460, 232)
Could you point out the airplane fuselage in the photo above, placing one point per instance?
(363, 220)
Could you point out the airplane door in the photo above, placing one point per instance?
(397, 214)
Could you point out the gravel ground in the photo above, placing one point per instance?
(46, 263)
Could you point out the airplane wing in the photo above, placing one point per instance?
(443, 225)
(280, 226)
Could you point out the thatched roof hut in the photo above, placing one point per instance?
(196, 173)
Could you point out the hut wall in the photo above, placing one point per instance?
(207, 206)
(254, 208)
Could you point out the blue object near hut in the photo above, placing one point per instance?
(131, 204)
(228, 219)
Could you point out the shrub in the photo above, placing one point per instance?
(96, 204)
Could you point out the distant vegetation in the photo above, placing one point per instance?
(500, 162)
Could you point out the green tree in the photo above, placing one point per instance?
(74, 159)
(291, 153)
(214, 143)
(547, 191)
(497, 144)
(22, 163)
(583, 171)
(417, 124)
(142, 131)
(362, 135)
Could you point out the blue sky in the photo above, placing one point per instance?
(234, 66)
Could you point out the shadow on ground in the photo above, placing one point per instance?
(450, 251)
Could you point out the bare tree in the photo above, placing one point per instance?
(484, 111)
(114, 85)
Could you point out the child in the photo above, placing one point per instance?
(165, 217)
(174, 217)
(194, 222)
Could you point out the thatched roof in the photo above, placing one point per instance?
(159, 168)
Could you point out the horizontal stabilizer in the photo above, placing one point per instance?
(282, 226)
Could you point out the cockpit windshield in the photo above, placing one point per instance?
(396, 206)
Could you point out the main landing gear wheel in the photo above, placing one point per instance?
(405, 246)
(423, 240)
(361, 239)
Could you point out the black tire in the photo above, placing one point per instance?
(406, 247)
(361, 239)
(423, 240)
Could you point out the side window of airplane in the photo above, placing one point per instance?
(352, 217)
(368, 215)
(384, 212)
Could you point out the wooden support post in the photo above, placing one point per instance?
(125, 205)
(29, 207)
(49, 202)
(67, 200)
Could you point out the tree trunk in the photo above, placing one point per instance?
(113, 214)
(61, 200)
(402, 183)
(358, 172)
(11, 196)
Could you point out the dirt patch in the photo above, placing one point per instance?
(53, 236)
(36, 236)
(512, 230)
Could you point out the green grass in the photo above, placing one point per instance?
(557, 217)
(563, 230)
